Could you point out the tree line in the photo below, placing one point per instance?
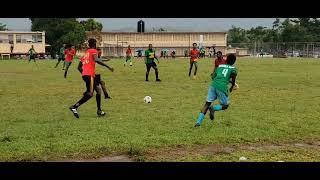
(289, 30)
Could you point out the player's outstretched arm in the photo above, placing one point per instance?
(98, 60)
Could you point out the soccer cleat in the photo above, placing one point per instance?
(74, 111)
(158, 80)
(107, 97)
(197, 125)
(147, 80)
(131, 64)
(101, 113)
(211, 114)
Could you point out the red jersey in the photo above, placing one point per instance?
(69, 54)
(88, 63)
(218, 62)
(194, 54)
(128, 52)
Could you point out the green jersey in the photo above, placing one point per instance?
(150, 55)
(61, 52)
(221, 77)
(32, 52)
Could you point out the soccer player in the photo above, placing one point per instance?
(61, 56)
(99, 81)
(88, 66)
(194, 56)
(219, 89)
(32, 54)
(70, 52)
(150, 56)
(128, 56)
(220, 60)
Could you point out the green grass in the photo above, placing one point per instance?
(278, 101)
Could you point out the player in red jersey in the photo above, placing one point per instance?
(194, 56)
(70, 52)
(88, 63)
(220, 60)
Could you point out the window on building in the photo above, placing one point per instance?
(10, 38)
(4, 38)
(18, 38)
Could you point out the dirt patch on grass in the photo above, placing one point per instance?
(115, 158)
(215, 149)
(203, 150)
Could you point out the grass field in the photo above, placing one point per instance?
(277, 104)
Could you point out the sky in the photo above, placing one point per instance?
(171, 24)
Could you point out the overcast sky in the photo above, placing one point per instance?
(173, 24)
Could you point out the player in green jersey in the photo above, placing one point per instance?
(218, 88)
(61, 56)
(150, 56)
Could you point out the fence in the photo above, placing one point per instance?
(290, 49)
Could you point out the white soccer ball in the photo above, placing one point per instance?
(242, 159)
(147, 99)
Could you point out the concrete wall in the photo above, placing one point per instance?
(22, 46)
(116, 43)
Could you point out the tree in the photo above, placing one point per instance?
(237, 35)
(3, 27)
(60, 31)
(92, 25)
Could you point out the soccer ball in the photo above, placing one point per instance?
(147, 99)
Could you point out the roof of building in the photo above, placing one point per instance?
(21, 32)
(163, 32)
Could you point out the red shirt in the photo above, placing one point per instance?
(88, 63)
(218, 62)
(194, 54)
(69, 54)
(128, 52)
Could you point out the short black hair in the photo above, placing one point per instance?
(194, 44)
(92, 43)
(231, 59)
(98, 49)
(219, 52)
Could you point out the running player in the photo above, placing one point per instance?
(99, 80)
(69, 54)
(88, 63)
(194, 56)
(61, 56)
(220, 60)
(219, 89)
(150, 56)
(128, 56)
(32, 54)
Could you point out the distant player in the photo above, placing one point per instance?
(220, 60)
(70, 52)
(32, 54)
(88, 67)
(150, 56)
(61, 56)
(128, 56)
(219, 89)
(194, 56)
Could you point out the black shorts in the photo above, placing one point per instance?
(91, 84)
(32, 57)
(153, 65)
(60, 59)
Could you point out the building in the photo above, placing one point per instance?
(19, 42)
(115, 43)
